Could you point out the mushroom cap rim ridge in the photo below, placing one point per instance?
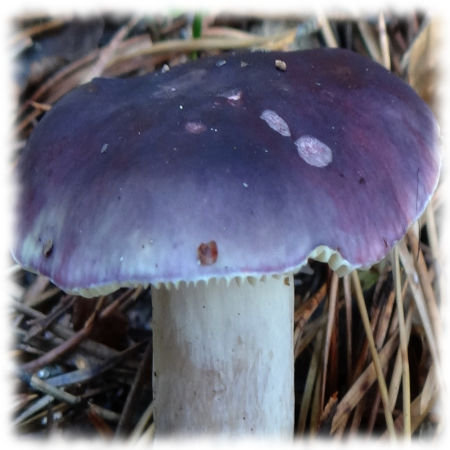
(321, 253)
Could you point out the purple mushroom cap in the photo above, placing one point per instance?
(224, 167)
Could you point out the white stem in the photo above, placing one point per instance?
(223, 359)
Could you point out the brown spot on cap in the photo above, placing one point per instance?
(207, 253)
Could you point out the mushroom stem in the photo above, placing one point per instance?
(223, 357)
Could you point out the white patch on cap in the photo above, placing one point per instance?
(313, 151)
(195, 127)
(233, 96)
(275, 122)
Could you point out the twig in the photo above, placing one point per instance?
(385, 318)
(309, 335)
(59, 394)
(52, 81)
(40, 106)
(34, 291)
(397, 371)
(374, 409)
(327, 410)
(302, 315)
(104, 412)
(226, 32)
(362, 385)
(94, 348)
(369, 41)
(374, 353)
(148, 435)
(327, 32)
(35, 407)
(66, 346)
(384, 42)
(99, 423)
(332, 299)
(83, 375)
(316, 408)
(34, 30)
(309, 383)
(22, 400)
(189, 45)
(40, 325)
(304, 312)
(422, 404)
(348, 325)
(425, 284)
(432, 233)
(116, 304)
(403, 348)
(107, 52)
(133, 395)
(413, 279)
(143, 420)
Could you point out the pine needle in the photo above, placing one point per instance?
(374, 353)
(414, 283)
(332, 300)
(403, 348)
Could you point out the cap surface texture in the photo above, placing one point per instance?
(224, 167)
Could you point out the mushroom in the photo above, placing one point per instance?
(215, 182)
